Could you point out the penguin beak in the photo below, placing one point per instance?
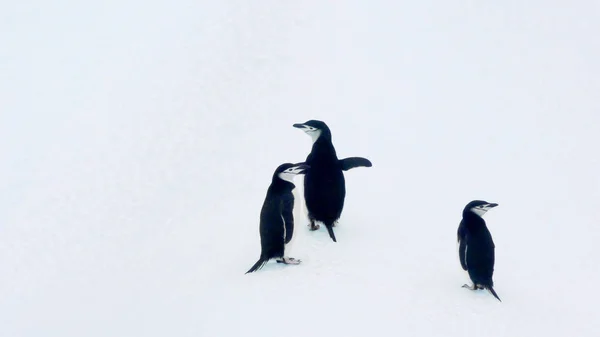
(301, 168)
(489, 206)
(299, 126)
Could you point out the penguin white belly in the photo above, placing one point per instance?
(300, 211)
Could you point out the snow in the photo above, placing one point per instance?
(138, 140)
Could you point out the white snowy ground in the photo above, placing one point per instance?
(138, 139)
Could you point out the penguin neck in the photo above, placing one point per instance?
(280, 185)
(323, 147)
(473, 221)
(325, 134)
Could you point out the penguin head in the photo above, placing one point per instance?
(479, 207)
(287, 171)
(314, 129)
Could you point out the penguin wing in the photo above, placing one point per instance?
(288, 216)
(462, 246)
(352, 162)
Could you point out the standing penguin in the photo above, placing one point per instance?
(276, 218)
(324, 184)
(476, 247)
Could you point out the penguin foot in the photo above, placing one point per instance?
(313, 226)
(288, 260)
(474, 287)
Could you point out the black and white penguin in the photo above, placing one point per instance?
(276, 218)
(476, 247)
(324, 184)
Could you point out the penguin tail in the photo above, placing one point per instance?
(259, 264)
(330, 231)
(493, 292)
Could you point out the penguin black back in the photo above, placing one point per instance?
(276, 218)
(324, 183)
(476, 247)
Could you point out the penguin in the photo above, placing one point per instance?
(476, 247)
(276, 218)
(324, 184)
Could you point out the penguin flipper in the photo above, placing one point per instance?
(462, 247)
(352, 162)
(462, 250)
(288, 217)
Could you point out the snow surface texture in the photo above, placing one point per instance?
(138, 139)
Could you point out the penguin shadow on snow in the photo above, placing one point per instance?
(324, 183)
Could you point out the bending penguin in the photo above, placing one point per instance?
(276, 218)
(324, 184)
(476, 247)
